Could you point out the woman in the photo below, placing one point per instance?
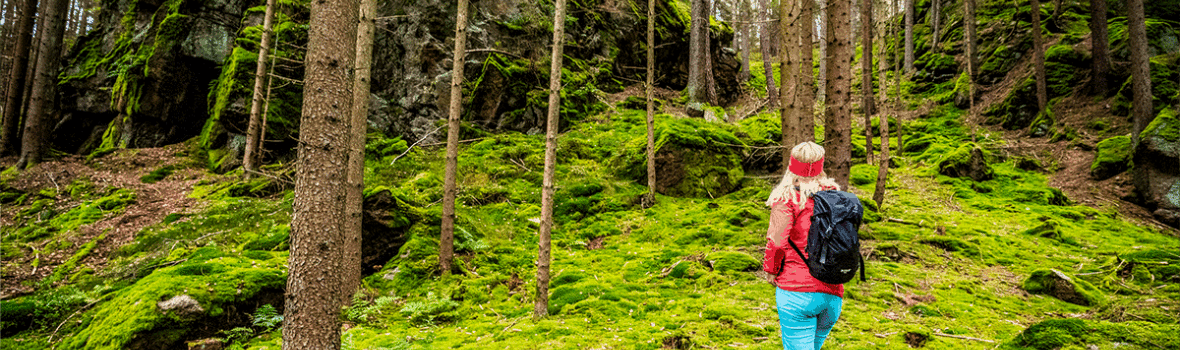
(807, 308)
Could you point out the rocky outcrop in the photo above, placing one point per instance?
(966, 161)
(1157, 168)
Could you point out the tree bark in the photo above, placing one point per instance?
(866, 67)
(1141, 109)
(1038, 56)
(909, 36)
(970, 36)
(935, 20)
(821, 89)
(541, 305)
(897, 55)
(764, 43)
(806, 83)
(35, 143)
(883, 56)
(253, 130)
(318, 243)
(696, 58)
(883, 167)
(789, 62)
(1100, 55)
(355, 180)
(9, 137)
(706, 32)
(446, 249)
(838, 118)
(742, 38)
(650, 199)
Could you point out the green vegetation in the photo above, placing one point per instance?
(1114, 157)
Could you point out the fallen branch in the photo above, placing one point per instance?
(900, 221)
(423, 138)
(755, 110)
(495, 51)
(669, 270)
(884, 335)
(964, 337)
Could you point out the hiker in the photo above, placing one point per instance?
(807, 307)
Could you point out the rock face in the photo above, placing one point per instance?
(1157, 163)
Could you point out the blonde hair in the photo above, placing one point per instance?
(796, 189)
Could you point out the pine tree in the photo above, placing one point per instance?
(935, 20)
(742, 38)
(1141, 109)
(541, 304)
(969, 37)
(1100, 54)
(35, 142)
(253, 129)
(696, 54)
(806, 85)
(909, 36)
(789, 63)
(13, 104)
(650, 199)
(866, 82)
(315, 285)
(446, 249)
(354, 194)
(764, 44)
(838, 118)
(1038, 56)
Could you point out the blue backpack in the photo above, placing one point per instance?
(833, 244)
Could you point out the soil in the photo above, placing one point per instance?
(121, 169)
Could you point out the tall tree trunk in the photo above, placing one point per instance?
(1038, 55)
(883, 60)
(897, 55)
(742, 37)
(970, 36)
(764, 43)
(806, 84)
(1141, 109)
(838, 119)
(789, 63)
(9, 137)
(883, 167)
(315, 283)
(822, 83)
(1100, 55)
(696, 56)
(935, 20)
(35, 142)
(909, 36)
(710, 83)
(650, 199)
(355, 180)
(446, 249)
(866, 67)
(254, 132)
(541, 305)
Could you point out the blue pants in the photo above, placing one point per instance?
(806, 318)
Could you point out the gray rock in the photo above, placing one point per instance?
(182, 305)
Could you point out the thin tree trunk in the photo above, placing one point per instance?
(318, 244)
(883, 57)
(696, 59)
(541, 306)
(764, 43)
(866, 83)
(650, 199)
(935, 20)
(1100, 55)
(897, 56)
(789, 63)
(806, 84)
(838, 125)
(355, 180)
(1141, 109)
(972, 49)
(883, 168)
(821, 89)
(446, 249)
(710, 83)
(909, 36)
(9, 137)
(253, 131)
(1038, 55)
(35, 142)
(742, 37)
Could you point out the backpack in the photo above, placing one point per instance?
(832, 243)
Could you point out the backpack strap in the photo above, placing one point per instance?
(796, 249)
(862, 267)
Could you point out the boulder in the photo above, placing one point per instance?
(1058, 285)
(966, 161)
(1113, 158)
(1157, 163)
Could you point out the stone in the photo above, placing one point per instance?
(1157, 163)
(966, 161)
(182, 305)
(1059, 285)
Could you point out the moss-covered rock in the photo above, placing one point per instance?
(1158, 157)
(694, 158)
(725, 261)
(968, 160)
(1113, 157)
(1061, 286)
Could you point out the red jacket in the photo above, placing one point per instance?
(796, 222)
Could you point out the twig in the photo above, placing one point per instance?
(883, 335)
(63, 322)
(55, 186)
(760, 338)
(272, 177)
(415, 144)
(460, 141)
(964, 337)
(495, 51)
(900, 221)
(755, 110)
(665, 274)
(300, 82)
(520, 164)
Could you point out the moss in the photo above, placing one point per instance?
(1043, 125)
(967, 160)
(1113, 157)
(1165, 127)
(728, 262)
(1061, 286)
(158, 174)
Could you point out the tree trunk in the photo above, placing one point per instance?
(806, 84)
(696, 59)
(742, 37)
(821, 88)
(1100, 55)
(866, 67)
(253, 130)
(1141, 109)
(789, 62)
(909, 36)
(650, 199)
(541, 306)
(838, 118)
(446, 249)
(935, 20)
(710, 83)
(315, 283)
(764, 43)
(883, 61)
(1038, 56)
(35, 142)
(970, 36)
(897, 55)
(355, 181)
(9, 137)
(883, 167)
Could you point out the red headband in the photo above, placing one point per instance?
(806, 169)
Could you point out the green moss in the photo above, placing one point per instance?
(68, 266)
(1061, 286)
(1113, 157)
(158, 174)
(728, 262)
(1165, 126)
(1043, 125)
(959, 163)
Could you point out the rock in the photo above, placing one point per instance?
(385, 220)
(1058, 285)
(206, 344)
(733, 262)
(966, 161)
(182, 305)
(1157, 162)
(1114, 157)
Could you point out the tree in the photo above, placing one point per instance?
(355, 180)
(789, 23)
(764, 44)
(1038, 55)
(446, 249)
(742, 38)
(650, 199)
(882, 59)
(314, 285)
(696, 53)
(897, 54)
(806, 85)
(254, 128)
(1100, 55)
(883, 167)
(969, 20)
(34, 143)
(1141, 109)
(821, 17)
(710, 83)
(866, 67)
(9, 138)
(541, 305)
(909, 36)
(935, 17)
(838, 118)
